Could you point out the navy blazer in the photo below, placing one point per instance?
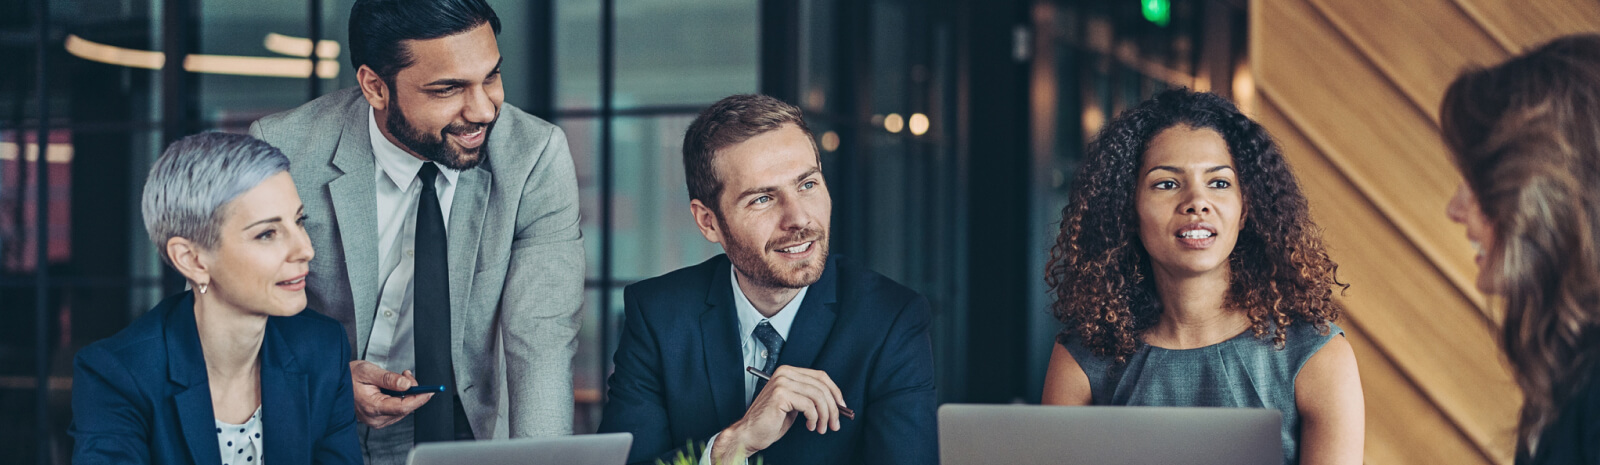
(142, 396)
(680, 373)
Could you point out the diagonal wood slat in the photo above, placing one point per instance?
(1439, 40)
(1402, 426)
(1519, 24)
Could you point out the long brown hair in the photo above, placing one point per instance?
(1526, 136)
(1099, 272)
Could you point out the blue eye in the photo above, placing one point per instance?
(761, 199)
(809, 185)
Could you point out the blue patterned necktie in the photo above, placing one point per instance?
(773, 344)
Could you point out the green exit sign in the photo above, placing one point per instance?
(1157, 11)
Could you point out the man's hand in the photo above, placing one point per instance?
(373, 407)
(792, 391)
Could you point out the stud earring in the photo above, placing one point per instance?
(202, 287)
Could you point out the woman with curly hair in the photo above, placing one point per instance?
(1526, 136)
(1188, 273)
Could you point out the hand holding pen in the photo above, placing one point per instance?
(791, 392)
(851, 414)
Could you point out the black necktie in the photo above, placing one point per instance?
(430, 307)
(773, 344)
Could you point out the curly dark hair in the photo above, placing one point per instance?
(1101, 276)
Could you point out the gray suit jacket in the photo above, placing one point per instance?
(515, 253)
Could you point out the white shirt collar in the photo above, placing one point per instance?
(395, 162)
(749, 317)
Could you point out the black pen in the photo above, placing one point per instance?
(851, 414)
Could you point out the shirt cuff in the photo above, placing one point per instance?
(705, 457)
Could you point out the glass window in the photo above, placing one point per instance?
(577, 54)
(685, 52)
(655, 232)
(253, 60)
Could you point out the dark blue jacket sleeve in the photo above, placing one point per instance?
(902, 405)
(340, 446)
(110, 423)
(637, 401)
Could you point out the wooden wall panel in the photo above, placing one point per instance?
(1391, 152)
(1351, 90)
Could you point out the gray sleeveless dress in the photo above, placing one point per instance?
(1239, 372)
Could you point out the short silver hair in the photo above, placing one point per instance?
(189, 187)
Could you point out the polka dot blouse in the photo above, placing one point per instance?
(241, 444)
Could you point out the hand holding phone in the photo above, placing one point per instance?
(375, 408)
(430, 389)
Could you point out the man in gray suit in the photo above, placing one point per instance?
(446, 230)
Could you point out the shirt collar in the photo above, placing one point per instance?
(395, 162)
(749, 317)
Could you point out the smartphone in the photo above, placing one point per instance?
(433, 389)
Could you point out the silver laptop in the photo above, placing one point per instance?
(588, 449)
(1035, 434)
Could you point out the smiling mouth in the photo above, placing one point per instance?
(294, 284)
(798, 248)
(472, 138)
(1197, 236)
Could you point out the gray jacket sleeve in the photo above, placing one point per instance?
(540, 306)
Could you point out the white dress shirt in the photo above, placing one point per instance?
(755, 353)
(391, 344)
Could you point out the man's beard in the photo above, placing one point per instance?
(436, 147)
(753, 263)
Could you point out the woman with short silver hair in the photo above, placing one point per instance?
(234, 368)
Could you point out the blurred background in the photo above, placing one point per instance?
(950, 130)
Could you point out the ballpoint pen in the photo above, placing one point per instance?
(851, 414)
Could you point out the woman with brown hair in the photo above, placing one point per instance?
(1188, 273)
(1526, 137)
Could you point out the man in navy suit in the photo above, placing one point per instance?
(832, 336)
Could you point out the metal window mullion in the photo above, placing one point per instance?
(608, 20)
(314, 23)
(41, 219)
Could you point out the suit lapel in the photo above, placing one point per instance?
(814, 322)
(285, 402)
(466, 228)
(186, 368)
(355, 205)
(720, 341)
